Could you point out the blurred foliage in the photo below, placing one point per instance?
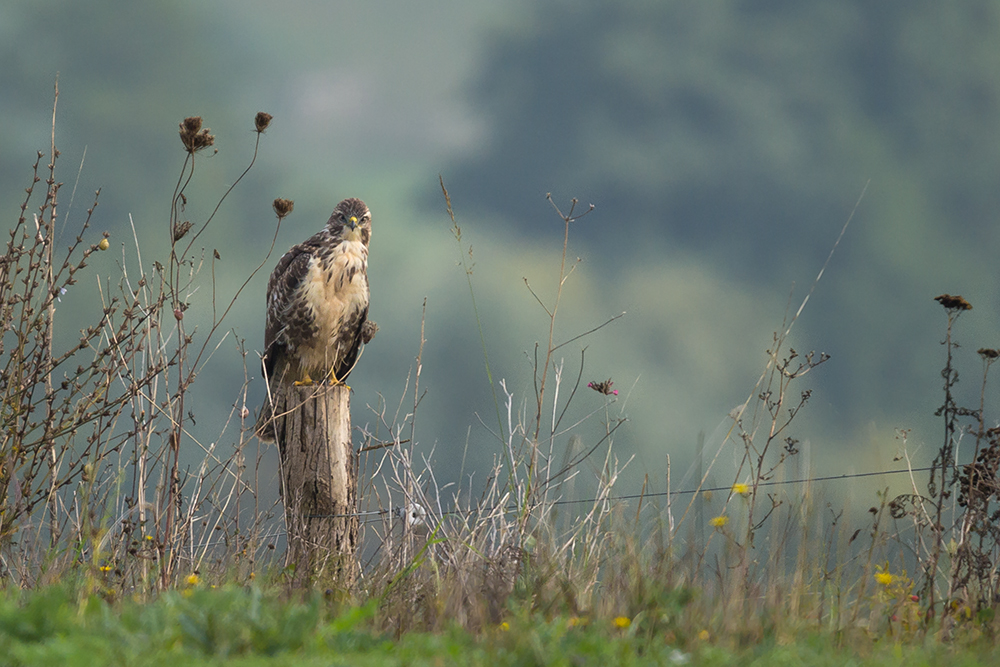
(708, 122)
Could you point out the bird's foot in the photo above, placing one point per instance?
(306, 381)
(334, 381)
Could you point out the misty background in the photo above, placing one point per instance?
(724, 146)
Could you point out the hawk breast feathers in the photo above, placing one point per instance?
(317, 301)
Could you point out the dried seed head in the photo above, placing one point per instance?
(603, 387)
(282, 207)
(988, 353)
(193, 136)
(191, 124)
(180, 229)
(262, 120)
(953, 302)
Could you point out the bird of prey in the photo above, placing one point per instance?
(317, 306)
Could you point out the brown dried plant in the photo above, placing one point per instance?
(93, 431)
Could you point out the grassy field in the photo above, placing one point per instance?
(118, 545)
(243, 626)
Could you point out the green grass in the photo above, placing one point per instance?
(245, 626)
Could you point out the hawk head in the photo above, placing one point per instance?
(351, 221)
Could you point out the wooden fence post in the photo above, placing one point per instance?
(312, 426)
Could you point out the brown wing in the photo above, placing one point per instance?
(350, 340)
(288, 321)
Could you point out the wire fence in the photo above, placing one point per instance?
(402, 510)
(419, 513)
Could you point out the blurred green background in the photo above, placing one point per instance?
(724, 145)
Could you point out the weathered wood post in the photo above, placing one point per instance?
(312, 426)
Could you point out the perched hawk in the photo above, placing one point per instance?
(317, 306)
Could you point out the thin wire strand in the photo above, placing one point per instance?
(637, 496)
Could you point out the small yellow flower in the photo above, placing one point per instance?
(703, 635)
(575, 621)
(104, 245)
(192, 579)
(149, 537)
(719, 521)
(105, 568)
(623, 622)
(741, 488)
(505, 626)
(884, 578)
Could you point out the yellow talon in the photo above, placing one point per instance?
(306, 381)
(334, 381)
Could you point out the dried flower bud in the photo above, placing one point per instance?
(262, 120)
(180, 229)
(193, 137)
(988, 353)
(179, 314)
(282, 207)
(953, 302)
(215, 253)
(191, 124)
(104, 244)
(603, 387)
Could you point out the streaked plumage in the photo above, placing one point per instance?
(317, 304)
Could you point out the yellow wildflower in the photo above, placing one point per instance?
(741, 488)
(505, 626)
(623, 622)
(884, 578)
(703, 635)
(719, 521)
(192, 579)
(105, 568)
